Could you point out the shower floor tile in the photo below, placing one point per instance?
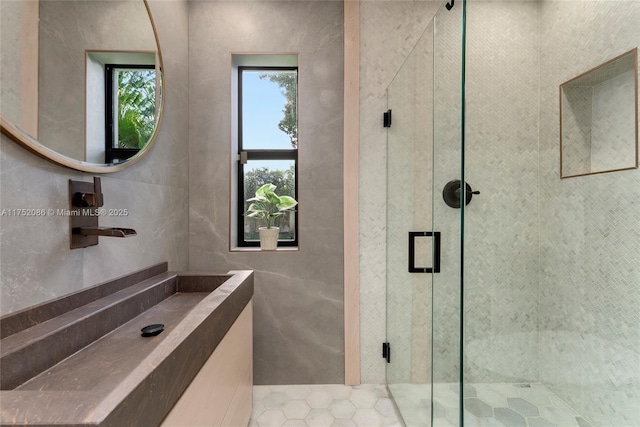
(500, 405)
(366, 405)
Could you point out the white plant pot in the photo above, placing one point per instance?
(269, 238)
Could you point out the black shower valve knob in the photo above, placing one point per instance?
(451, 193)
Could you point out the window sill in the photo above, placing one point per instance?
(257, 249)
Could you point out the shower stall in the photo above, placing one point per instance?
(513, 288)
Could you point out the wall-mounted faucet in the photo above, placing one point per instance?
(84, 200)
(89, 200)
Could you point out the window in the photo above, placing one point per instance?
(130, 106)
(267, 145)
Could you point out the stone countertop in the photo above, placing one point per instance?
(124, 379)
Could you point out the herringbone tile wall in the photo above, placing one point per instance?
(589, 232)
(501, 224)
(551, 265)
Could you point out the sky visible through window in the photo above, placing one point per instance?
(262, 109)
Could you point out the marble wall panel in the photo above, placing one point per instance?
(11, 73)
(501, 223)
(298, 317)
(589, 240)
(36, 263)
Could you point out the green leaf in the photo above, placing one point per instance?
(273, 198)
(256, 214)
(286, 202)
(267, 188)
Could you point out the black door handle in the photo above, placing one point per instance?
(436, 252)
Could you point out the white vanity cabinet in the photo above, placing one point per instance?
(222, 392)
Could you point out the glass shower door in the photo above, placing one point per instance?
(409, 243)
(423, 233)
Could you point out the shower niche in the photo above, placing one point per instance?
(599, 119)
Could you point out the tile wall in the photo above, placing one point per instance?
(36, 263)
(298, 302)
(501, 161)
(589, 232)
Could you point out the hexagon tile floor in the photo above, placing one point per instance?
(499, 405)
(322, 406)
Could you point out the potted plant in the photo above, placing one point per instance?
(268, 205)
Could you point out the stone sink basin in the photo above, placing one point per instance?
(82, 360)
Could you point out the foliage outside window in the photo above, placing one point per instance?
(268, 143)
(131, 109)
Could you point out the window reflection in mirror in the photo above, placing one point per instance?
(599, 119)
(122, 96)
(131, 106)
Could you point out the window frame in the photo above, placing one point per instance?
(111, 153)
(262, 154)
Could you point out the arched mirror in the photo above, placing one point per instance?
(81, 81)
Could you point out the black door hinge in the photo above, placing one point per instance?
(386, 119)
(386, 351)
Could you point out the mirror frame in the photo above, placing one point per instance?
(633, 51)
(33, 145)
